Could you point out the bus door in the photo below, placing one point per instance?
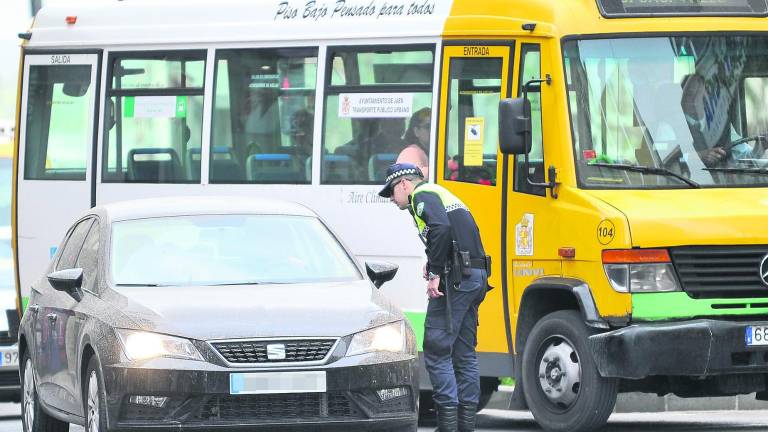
(474, 79)
(55, 154)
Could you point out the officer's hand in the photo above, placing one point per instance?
(424, 272)
(433, 288)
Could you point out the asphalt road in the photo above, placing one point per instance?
(500, 420)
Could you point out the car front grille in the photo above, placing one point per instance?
(720, 271)
(262, 351)
(299, 407)
(9, 378)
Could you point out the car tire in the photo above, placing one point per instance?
(33, 416)
(561, 383)
(93, 398)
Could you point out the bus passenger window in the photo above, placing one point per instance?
(375, 101)
(59, 112)
(472, 135)
(530, 69)
(263, 119)
(155, 118)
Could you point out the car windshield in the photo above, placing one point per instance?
(691, 108)
(227, 250)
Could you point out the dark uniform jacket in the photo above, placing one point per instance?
(441, 218)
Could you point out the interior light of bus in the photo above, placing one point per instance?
(71, 20)
(629, 256)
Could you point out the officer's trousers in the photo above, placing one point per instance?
(450, 357)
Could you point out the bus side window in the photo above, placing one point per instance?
(59, 110)
(373, 96)
(155, 118)
(263, 120)
(530, 68)
(472, 135)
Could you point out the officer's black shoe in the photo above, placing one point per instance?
(447, 418)
(466, 417)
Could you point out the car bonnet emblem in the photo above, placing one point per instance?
(764, 270)
(276, 352)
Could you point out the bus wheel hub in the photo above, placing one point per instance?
(560, 373)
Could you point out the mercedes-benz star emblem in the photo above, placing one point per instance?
(764, 270)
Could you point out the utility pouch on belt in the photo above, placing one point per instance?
(466, 263)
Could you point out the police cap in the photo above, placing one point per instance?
(394, 172)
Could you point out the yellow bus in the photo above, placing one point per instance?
(612, 151)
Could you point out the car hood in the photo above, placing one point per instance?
(224, 312)
(660, 218)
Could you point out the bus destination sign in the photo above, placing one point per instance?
(636, 8)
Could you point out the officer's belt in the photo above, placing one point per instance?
(477, 263)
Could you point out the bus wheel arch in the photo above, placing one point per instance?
(561, 383)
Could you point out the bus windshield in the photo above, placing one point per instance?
(669, 112)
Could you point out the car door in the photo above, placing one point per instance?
(75, 318)
(50, 330)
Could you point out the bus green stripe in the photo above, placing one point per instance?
(416, 319)
(663, 306)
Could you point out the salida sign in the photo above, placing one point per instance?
(317, 10)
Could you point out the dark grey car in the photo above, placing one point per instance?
(213, 313)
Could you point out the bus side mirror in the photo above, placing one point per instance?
(380, 272)
(515, 126)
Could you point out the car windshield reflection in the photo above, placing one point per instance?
(227, 250)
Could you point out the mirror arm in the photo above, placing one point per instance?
(552, 172)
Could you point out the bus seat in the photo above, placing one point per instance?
(153, 165)
(224, 166)
(337, 167)
(378, 164)
(273, 167)
(193, 163)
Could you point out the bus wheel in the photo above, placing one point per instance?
(561, 383)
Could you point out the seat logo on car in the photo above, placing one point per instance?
(276, 352)
(764, 270)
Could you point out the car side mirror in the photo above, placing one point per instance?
(380, 272)
(66, 280)
(515, 126)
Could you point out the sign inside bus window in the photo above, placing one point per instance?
(375, 9)
(155, 107)
(375, 105)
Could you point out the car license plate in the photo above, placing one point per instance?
(277, 382)
(757, 335)
(9, 357)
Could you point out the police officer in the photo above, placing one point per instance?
(450, 334)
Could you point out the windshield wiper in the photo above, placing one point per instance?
(139, 285)
(739, 170)
(648, 170)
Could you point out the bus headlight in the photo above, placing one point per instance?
(640, 271)
(140, 345)
(390, 337)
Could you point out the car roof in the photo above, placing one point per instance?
(196, 205)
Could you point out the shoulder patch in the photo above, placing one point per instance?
(420, 208)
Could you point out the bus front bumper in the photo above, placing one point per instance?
(685, 348)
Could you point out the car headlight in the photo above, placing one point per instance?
(141, 345)
(640, 271)
(390, 337)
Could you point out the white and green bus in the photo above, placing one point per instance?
(302, 101)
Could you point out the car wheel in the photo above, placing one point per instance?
(562, 386)
(93, 398)
(33, 417)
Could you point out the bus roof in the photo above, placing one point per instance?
(166, 22)
(140, 22)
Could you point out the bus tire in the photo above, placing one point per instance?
(562, 386)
